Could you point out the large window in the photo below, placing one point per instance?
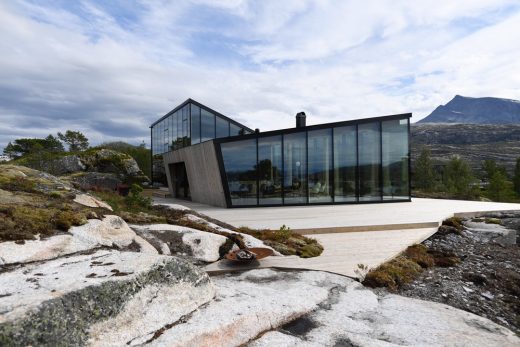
(270, 170)
(240, 166)
(320, 165)
(207, 123)
(222, 127)
(345, 164)
(195, 124)
(395, 159)
(234, 130)
(369, 161)
(295, 168)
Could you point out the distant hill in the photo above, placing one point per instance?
(473, 142)
(462, 109)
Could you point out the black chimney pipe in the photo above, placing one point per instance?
(300, 119)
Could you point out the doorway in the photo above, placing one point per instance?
(181, 186)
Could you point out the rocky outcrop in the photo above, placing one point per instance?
(321, 309)
(100, 168)
(183, 241)
(107, 298)
(111, 231)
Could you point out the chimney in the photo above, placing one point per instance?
(300, 119)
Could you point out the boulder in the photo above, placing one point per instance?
(108, 298)
(249, 240)
(111, 231)
(64, 165)
(96, 180)
(310, 308)
(178, 240)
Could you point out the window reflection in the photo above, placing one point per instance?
(195, 124)
(270, 170)
(240, 167)
(395, 159)
(369, 161)
(345, 163)
(222, 127)
(320, 165)
(295, 168)
(207, 121)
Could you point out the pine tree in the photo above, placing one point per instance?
(424, 176)
(516, 177)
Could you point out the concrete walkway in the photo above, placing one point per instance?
(329, 216)
(384, 230)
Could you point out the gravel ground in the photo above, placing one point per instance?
(487, 280)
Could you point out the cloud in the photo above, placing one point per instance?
(110, 69)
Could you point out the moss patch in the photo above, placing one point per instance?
(286, 241)
(455, 222)
(32, 204)
(407, 266)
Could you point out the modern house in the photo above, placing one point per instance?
(207, 157)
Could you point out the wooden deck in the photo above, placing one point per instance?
(342, 252)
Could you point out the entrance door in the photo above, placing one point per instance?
(181, 187)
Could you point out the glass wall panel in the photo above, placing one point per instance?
(295, 168)
(186, 125)
(369, 148)
(165, 135)
(207, 121)
(240, 166)
(320, 165)
(345, 164)
(222, 127)
(395, 159)
(270, 170)
(195, 124)
(174, 131)
(234, 130)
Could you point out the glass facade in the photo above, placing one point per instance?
(345, 164)
(240, 162)
(341, 163)
(369, 163)
(395, 159)
(270, 170)
(320, 165)
(186, 125)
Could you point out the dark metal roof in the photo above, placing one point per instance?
(191, 101)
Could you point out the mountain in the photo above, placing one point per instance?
(462, 109)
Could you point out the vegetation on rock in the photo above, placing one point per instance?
(33, 203)
(286, 241)
(406, 267)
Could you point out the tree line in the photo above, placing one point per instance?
(74, 140)
(455, 179)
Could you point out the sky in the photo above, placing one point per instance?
(110, 68)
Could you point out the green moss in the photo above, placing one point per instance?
(493, 221)
(286, 241)
(393, 274)
(455, 222)
(310, 250)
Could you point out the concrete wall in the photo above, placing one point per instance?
(203, 172)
